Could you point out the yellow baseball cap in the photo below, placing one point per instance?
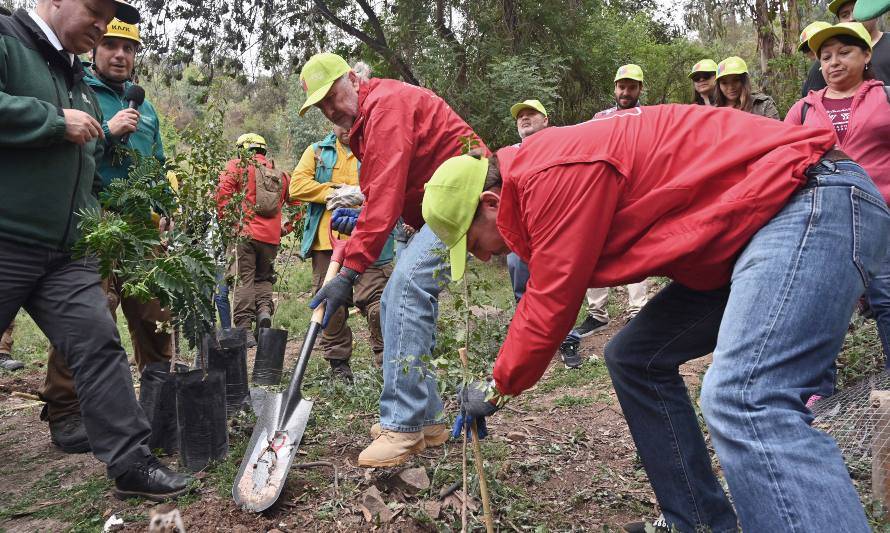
(705, 65)
(870, 9)
(629, 72)
(809, 31)
(450, 199)
(318, 75)
(835, 5)
(528, 104)
(731, 65)
(854, 29)
(122, 30)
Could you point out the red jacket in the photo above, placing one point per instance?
(259, 228)
(401, 135)
(671, 190)
(868, 132)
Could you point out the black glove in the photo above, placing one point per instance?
(336, 293)
(343, 219)
(472, 399)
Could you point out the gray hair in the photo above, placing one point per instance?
(362, 70)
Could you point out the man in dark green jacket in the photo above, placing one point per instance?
(50, 139)
(113, 62)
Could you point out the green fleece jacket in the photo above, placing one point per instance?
(146, 139)
(44, 179)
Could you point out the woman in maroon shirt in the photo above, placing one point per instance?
(857, 107)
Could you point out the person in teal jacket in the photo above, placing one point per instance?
(326, 178)
(109, 78)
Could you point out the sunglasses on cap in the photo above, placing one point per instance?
(703, 76)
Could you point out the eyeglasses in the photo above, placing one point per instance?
(702, 77)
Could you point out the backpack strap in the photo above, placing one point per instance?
(803, 112)
(887, 92)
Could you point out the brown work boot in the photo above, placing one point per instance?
(433, 435)
(391, 448)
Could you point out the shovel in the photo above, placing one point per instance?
(280, 424)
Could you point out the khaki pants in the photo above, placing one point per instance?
(637, 296)
(336, 339)
(149, 346)
(255, 260)
(6, 339)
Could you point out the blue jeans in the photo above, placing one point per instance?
(409, 310)
(221, 298)
(878, 296)
(774, 333)
(518, 270)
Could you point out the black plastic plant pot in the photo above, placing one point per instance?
(269, 356)
(229, 354)
(201, 414)
(158, 399)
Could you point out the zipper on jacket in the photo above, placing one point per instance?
(79, 160)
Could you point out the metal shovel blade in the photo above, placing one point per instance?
(270, 454)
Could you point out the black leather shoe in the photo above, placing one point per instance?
(151, 480)
(69, 434)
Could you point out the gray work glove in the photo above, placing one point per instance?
(344, 196)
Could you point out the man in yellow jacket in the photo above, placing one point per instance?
(326, 178)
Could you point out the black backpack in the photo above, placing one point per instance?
(806, 106)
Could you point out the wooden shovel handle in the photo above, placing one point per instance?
(333, 269)
(480, 471)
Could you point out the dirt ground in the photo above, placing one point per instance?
(561, 458)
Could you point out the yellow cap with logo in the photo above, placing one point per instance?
(450, 199)
(705, 65)
(731, 65)
(122, 30)
(251, 140)
(853, 29)
(629, 72)
(528, 104)
(318, 75)
(808, 32)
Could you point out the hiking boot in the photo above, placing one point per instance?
(69, 434)
(590, 326)
(391, 448)
(568, 350)
(660, 525)
(8, 363)
(340, 370)
(251, 340)
(263, 320)
(151, 480)
(433, 435)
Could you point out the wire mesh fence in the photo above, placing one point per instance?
(853, 419)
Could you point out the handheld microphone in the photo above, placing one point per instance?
(134, 95)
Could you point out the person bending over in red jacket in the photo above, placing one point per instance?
(768, 245)
(401, 133)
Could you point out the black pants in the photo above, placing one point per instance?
(65, 298)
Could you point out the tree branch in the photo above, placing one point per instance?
(378, 45)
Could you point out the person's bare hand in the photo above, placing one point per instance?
(80, 127)
(123, 122)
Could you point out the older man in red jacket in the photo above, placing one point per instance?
(768, 239)
(401, 134)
